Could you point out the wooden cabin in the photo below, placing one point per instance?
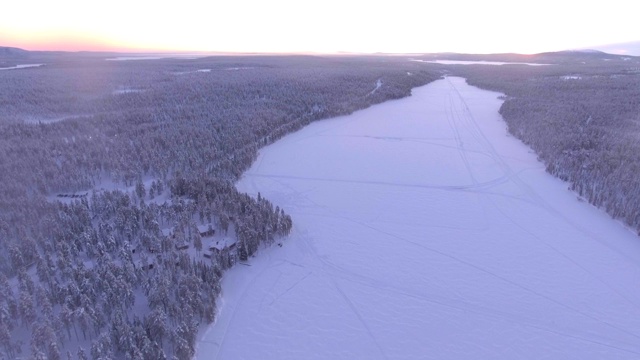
(208, 232)
(182, 246)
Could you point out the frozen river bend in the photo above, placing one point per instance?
(423, 231)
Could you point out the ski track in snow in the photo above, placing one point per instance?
(423, 231)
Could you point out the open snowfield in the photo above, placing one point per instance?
(21, 66)
(464, 62)
(423, 231)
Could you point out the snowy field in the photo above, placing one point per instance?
(134, 57)
(465, 62)
(21, 66)
(423, 231)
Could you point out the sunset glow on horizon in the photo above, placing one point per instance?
(327, 27)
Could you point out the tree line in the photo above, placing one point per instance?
(582, 120)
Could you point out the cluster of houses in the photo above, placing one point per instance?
(214, 245)
(215, 248)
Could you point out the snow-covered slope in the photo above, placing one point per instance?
(423, 231)
(629, 48)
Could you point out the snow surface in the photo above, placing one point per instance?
(209, 70)
(184, 56)
(463, 62)
(134, 58)
(126, 90)
(423, 231)
(45, 120)
(378, 86)
(21, 66)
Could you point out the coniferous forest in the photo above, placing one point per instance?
(118, 211)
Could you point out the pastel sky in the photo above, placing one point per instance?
(402, 26)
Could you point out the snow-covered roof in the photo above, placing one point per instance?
(205, 227)
(222, 243)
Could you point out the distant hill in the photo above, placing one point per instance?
(627, 49)
(583, 51)
(568, 56)
(6, 51)
(13, 55)
(576, 55)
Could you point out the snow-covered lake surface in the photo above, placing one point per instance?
(21, 66)
(134, 57)
(126, 90)
(464, 62)
(423, 231)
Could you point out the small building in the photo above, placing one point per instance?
(206, 233)
(206, 230)
(220, 246)
(167, 232)
(181, 245)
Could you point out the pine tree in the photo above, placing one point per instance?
(81, 354)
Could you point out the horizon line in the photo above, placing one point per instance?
(139, 51)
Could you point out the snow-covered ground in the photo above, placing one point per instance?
(134, 58)
(153, 56)
(423, 231)
(21, 66)
(209, 70)
(121, 90)
(378, 86)
(465, 62)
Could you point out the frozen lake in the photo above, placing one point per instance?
(21, 66)
(423, 231)
(480, 62)
(158, 56)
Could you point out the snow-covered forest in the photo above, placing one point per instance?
(582, 117)
(118, 214)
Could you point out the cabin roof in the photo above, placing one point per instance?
(221, 243)
(204, 227)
